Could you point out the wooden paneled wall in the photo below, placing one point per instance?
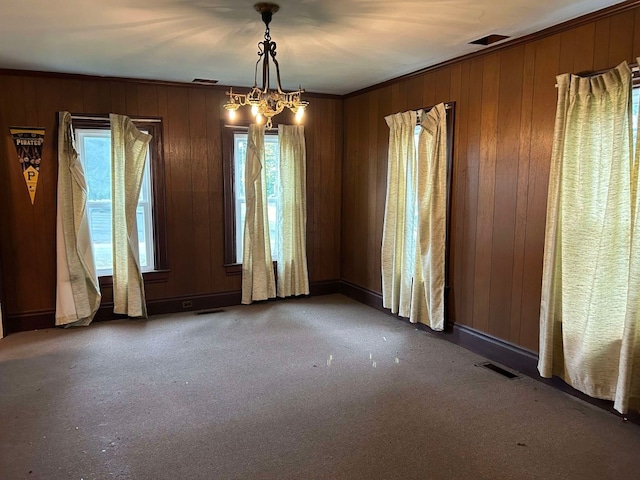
(505, 109)
(194, 184)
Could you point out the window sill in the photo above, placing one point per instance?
(236, 268)
(233, 269)
(157, 276)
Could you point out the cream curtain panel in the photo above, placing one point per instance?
(77, 289)
(293, 277)
(413, 237)
(427, 303)
(589, 328)
(128, 154)
(398, 241)
(258, 280)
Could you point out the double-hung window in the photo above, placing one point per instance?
(93, 143)
(235, 143)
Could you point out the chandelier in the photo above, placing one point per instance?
(264, 101)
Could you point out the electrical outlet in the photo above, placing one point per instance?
(187, 304)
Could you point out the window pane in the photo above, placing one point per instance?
(94, 147)
(100, 227)
(96, 151)
(272, 155)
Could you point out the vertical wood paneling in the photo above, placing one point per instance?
(636, 35)
(201, 216)
(506, 184)
(601, 44)
(584, 61)
(543, 114)
(20, 253)
(147, 100)
(443, 85)
(338, 149)
(458, 294)
(163, 112)
(220, 282)
(621, 40)
(324, 190)
(178, 156)
(429, 93)
(471, 187)
(381, 159)
(523, 190)
(505, 111)
(373, 247)
(486, 191)
(415, 85)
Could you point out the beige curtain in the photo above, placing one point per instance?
(413, 237)
(293, 277)
(77, 288)
(427, 303)
(128, 154)
(590, 302)
(258, 280)
(398, 241)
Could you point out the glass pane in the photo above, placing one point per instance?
(97, 163)
(272, 156)
(100, 226)
(95, 154)
(636, 102)
(142, 247)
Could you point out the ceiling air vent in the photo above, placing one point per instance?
(489, 39)
(204, 81)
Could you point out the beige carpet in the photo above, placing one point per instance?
(320, 388)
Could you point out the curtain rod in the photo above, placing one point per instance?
(634, 67)
(424, 110)
(89, 117)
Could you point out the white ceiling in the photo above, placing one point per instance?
(328, 46)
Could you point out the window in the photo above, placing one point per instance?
(235, 147)
(93, 142)
(635, 96)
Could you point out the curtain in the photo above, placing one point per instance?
(77, 289)
(293, 277)
(258, 280)
(128, 154)
(427, 303)
(590, 301)
(398, 241)
(413, 237)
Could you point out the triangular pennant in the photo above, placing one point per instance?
(28, 142)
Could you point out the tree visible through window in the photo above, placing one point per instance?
(94, 148)
(272, 155)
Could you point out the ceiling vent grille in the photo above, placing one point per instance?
(489, 39)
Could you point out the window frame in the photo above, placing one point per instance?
(228, 172)
(153, 125)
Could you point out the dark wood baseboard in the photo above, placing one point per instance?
(37, 320)
(507, 354)
(325, 287)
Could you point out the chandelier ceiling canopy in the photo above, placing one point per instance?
(263, 100)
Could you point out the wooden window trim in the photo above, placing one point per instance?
(232, 267)
(159, 219)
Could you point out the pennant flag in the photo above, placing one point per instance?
(28, 143)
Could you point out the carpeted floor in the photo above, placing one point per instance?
(320, 388)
